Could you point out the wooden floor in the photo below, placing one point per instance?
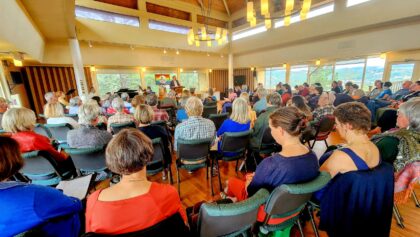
(195, 188)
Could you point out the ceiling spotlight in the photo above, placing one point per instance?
(90, 44)
(210, 70)
(164, 51)
(318, 62)
(181, 70)
(208, 54)
(284, 65)
(252, 68)
(92, 69)
(143, 69)
(221, 55)
(131, 47)
(177, 52)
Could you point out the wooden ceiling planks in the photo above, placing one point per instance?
(211, 21)
(167, 11)
(122, 3)
(216, 5)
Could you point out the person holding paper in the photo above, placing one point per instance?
(27, 206)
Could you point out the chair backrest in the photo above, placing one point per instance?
(73, 116)
(42, 130)
(117, 127)
(171, 226)
(193, 150)
(210, 103)
(156, 164)
(59, 131)
(325, 126)
(88, 160)
(289, 199)
(218, 119)
(229, 109)
(41, 168)
(207, 110)
(235, 141)
(230, 219)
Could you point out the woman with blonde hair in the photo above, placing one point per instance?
(54, 113)
(239, 120)
(136, 101)
(252, 113)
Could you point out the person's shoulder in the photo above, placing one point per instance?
(163, 190)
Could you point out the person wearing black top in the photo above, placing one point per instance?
(335, 87)
(144, 114)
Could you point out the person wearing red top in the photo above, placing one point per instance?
(287, 93)
(134, 203)
(20, 122)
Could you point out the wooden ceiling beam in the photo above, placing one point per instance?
(227, 7)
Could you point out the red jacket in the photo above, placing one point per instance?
(31, 141)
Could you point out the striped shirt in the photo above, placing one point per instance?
(195, 127)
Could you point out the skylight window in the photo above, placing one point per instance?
(311, 14)
(98, 15)
(351, 3)
(163, 26)
(248, 32)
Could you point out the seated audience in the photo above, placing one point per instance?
(261, 104)
(61, 96)
(88, 135)
(335, 87)
(101, 118)
(414, 92)
(21, 123)
(405, 90)
(315, 92)
(195, 127)
(210, 99)
(144, 115)
(238, 122)
(27, 206)
(300, 103)
(238, 90)
(340, 85)
(50, 97)
(111, 110)
(376, 91)
(252, 113)
(136, 101)
(137, 202)
(342, 98)
(325, 106)
(54, 113)
(159, 114)
(273, 103)
(168, 99)
(3, 108)
(296, 163)
(74, 104)
(303, 90)
(126, 98)
(231, 95)
(120, 116)
(386, 92)
(279, 88)
(287, 93)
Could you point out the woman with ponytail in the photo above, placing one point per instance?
(296, 163)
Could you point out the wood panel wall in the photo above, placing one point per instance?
(219, 78)
(42, 79)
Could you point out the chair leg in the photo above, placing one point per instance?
(416, 201)
(397, 216)
(313, 144)
(211, 181)
(236, 167)
(218, 174)
(171, 180)
(300, 228)
(311, 216)
(326, 142)
(179, 181)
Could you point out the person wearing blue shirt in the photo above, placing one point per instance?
(386, 92)
(261, 104)
(28, 206)
(239, 121)
(405, 90)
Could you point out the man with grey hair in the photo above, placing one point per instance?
(158, 114)
(273, 103)
(74, 104)
(50, 97)
(88, 135)
(261, 104)
(120, 116)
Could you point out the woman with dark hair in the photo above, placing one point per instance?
(296, 163)
(134, 203)
(299, 102)
(287, 93)
(27, 206)
(335, 87)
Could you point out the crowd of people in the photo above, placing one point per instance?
(140, 204)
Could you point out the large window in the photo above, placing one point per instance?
(322, 74)
(298, 75)
(94, 14)
(273, 76)
(113, 80)
(374, 71)
(189, 80)
(401, 72)
(350, 71)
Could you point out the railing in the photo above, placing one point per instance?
(396, 85)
